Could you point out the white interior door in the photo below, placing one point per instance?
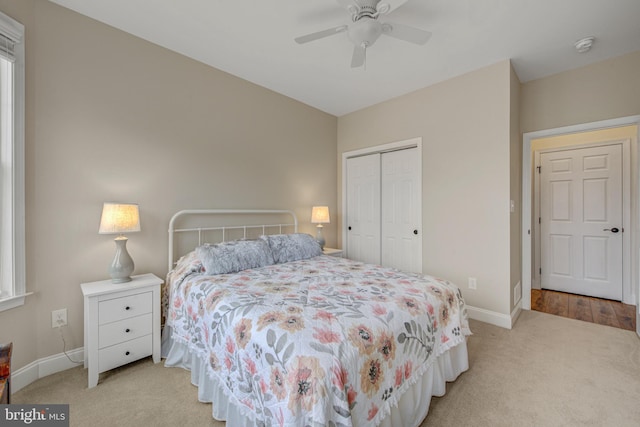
(581, 221)
(401, 210)
(363, 208)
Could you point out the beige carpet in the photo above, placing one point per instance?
(547, 371)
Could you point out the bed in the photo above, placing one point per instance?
(277, 334)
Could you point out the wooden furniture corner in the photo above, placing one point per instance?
(5, 373)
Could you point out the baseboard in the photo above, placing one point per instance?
(46, 366)
(498, 319)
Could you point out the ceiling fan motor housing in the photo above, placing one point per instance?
(367, 8)
(366, 11)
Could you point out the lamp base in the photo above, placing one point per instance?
(122, 266)
(320, 237)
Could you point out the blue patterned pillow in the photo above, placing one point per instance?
(292, 247)
(233, 256)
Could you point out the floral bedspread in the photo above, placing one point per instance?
(317, 342)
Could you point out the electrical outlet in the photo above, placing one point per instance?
(59, 318)
(473, 283)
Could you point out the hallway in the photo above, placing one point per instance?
(588, 309)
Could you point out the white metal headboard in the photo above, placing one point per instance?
(223, 228)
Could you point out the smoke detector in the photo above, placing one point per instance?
(584, 45)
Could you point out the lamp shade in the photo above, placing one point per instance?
(118, 218)
(320, 215)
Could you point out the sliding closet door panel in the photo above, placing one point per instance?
(401, 210)
(363, 208)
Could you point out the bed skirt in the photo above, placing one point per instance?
(411, 410)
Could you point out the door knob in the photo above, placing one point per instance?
(613, 230)
(415, 231)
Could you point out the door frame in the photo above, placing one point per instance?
(628, 296)
(527, 200)
(384, 148)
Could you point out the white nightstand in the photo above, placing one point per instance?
(332, 252)
(121, 323)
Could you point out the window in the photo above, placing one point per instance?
(12, 236)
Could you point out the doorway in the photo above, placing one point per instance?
(580, 218)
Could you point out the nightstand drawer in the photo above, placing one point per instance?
(119, 354)
(124, 330)
(124, 307)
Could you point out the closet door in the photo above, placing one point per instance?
(401, 210)
(384, 209)
(363, 208)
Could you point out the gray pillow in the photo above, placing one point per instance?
(236, 255)
(292, 247)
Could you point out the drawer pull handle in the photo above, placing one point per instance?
(127, 353)
(127, 308)
(127, 330)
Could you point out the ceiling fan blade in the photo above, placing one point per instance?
(359, 56)
(320, 34)
(406, 33)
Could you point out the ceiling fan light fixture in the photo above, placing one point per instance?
(584, 45)
(365, 32)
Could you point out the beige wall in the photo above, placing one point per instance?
(114, 118)
(605, 90)
(465, 127)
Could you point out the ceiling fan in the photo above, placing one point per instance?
(366, 28)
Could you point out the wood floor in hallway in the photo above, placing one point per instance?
(588, 309)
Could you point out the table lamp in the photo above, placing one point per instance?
(120, 218)
(320, 215)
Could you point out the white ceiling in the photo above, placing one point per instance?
(253, 39)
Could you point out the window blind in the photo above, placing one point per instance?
(6, 47)
(10, 34)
